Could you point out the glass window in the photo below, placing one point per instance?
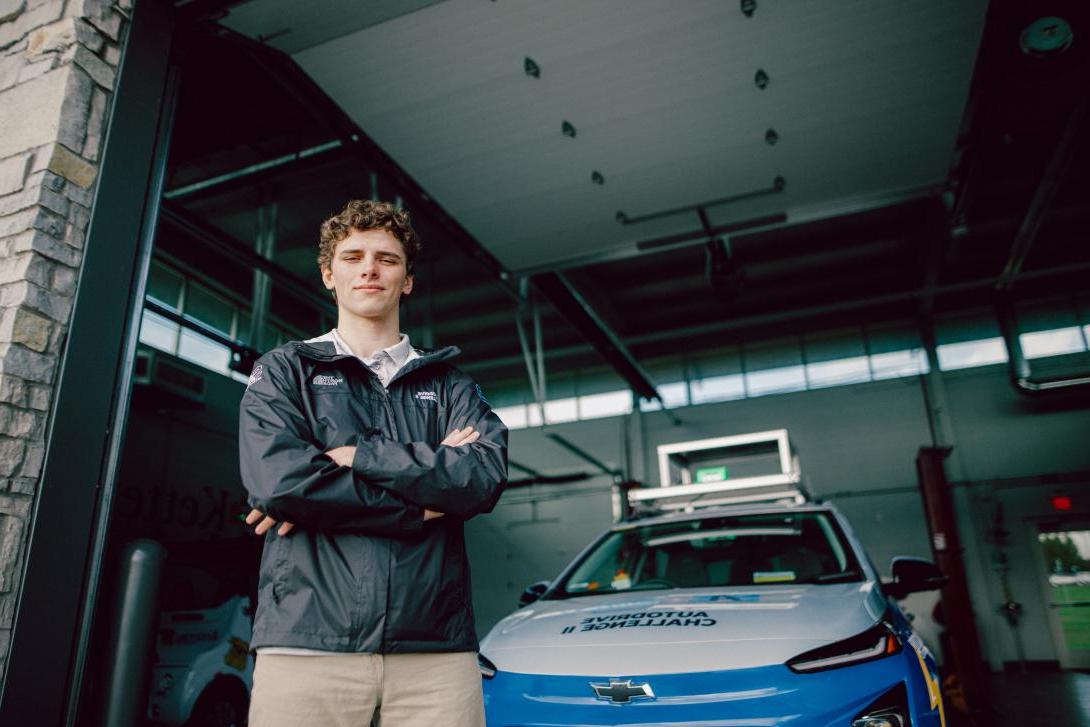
(164, 286)
(242, 327)
(717, 551)
(561, 410)
(158, 332)
(204, 352)
(513, 416)
(719, 388)
(897, 364)
(611, 403)
(209, 308)
(775, 381)
(967, 354)
(533, 414)
(838, 372)
(1052, 343)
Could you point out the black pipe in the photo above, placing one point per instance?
(1018, 367)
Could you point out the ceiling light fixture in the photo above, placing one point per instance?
(761, 79)
(1046, 37)
(531, 67)
(567, 129)
(597, 178)
(771, 137)
(749, 7)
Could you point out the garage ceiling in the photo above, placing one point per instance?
(865, 99)
(918, 142)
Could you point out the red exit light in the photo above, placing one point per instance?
(1061, 502)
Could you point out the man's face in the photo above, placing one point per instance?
(368, 274)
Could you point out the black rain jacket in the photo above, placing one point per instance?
(362, 571)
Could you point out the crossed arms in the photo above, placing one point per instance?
(343, 456)
(379, 485)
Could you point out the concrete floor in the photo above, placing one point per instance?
(1044, 698)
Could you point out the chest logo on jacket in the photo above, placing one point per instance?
(427, 396)
(327, 380)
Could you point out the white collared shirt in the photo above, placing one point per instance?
(385, 362)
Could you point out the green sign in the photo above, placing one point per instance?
(712, 474)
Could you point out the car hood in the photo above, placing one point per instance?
(675, 631)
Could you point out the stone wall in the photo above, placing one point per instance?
(58, 64)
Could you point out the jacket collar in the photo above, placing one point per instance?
(327, 351)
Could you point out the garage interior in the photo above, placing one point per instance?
(647, 223)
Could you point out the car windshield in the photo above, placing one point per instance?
(737, 550)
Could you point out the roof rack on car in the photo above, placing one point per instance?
(759, 467)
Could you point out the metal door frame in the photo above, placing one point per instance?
(49, 638)
(1059, 641)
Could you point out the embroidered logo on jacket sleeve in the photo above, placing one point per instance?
(256, 375)
(480, 395)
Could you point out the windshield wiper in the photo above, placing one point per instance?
(845, 577)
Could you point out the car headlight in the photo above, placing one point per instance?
(488, 669)
(888, 719)
(876, 642)
(889, 710)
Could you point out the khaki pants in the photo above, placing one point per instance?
(349, 690)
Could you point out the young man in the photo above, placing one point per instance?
(363, 456)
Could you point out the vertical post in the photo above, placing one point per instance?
(134, 630)
(265, 245)
(956, 605)
(934, 393)
(64, 548)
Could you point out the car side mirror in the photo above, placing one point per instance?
(532, 593)
(913, 575)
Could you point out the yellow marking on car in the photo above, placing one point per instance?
(934, 690)
(237, 653)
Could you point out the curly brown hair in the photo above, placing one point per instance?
(365, 214)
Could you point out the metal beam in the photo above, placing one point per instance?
(1042, 198)
(523, 468)
(218, 240)
(255, 173)
(583, 455)
(794, 314)
(939, 243)
(780, 221)
(949, 555)
(1019, 369)
(567, 300)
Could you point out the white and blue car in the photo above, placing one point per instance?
(761, 615)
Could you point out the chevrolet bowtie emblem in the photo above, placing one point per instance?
(622, 692)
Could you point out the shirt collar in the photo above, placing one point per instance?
(399, 352)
